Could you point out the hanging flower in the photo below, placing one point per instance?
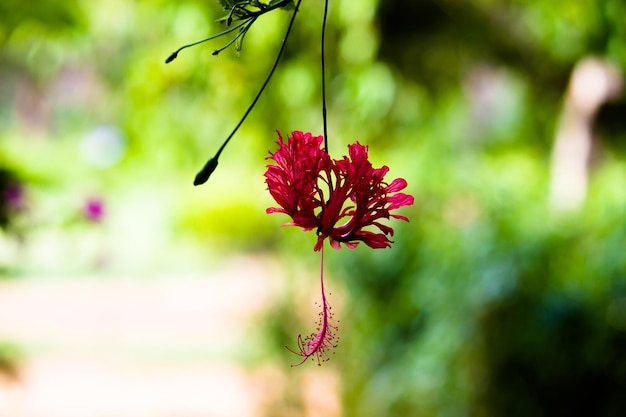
(337, 198)
(343, 200)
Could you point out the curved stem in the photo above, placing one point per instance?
(265, 83)
(324, 78)
(203, 175)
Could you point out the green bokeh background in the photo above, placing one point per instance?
(488, 304)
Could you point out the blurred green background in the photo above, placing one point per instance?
(506, 292)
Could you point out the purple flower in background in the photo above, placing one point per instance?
(14, 195)
(12, 200)
(94, 210)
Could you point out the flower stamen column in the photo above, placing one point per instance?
(320, 343)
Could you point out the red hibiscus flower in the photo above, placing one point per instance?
(337, 198)
(343, 200)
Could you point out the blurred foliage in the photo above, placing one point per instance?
(491, 304)
(9, 357)
(510, 312)
(488, 304)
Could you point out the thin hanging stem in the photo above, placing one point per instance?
(265, 83)
(324, 78)
(203, 175)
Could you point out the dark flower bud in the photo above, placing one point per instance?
(203, 175)
(171, 57)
